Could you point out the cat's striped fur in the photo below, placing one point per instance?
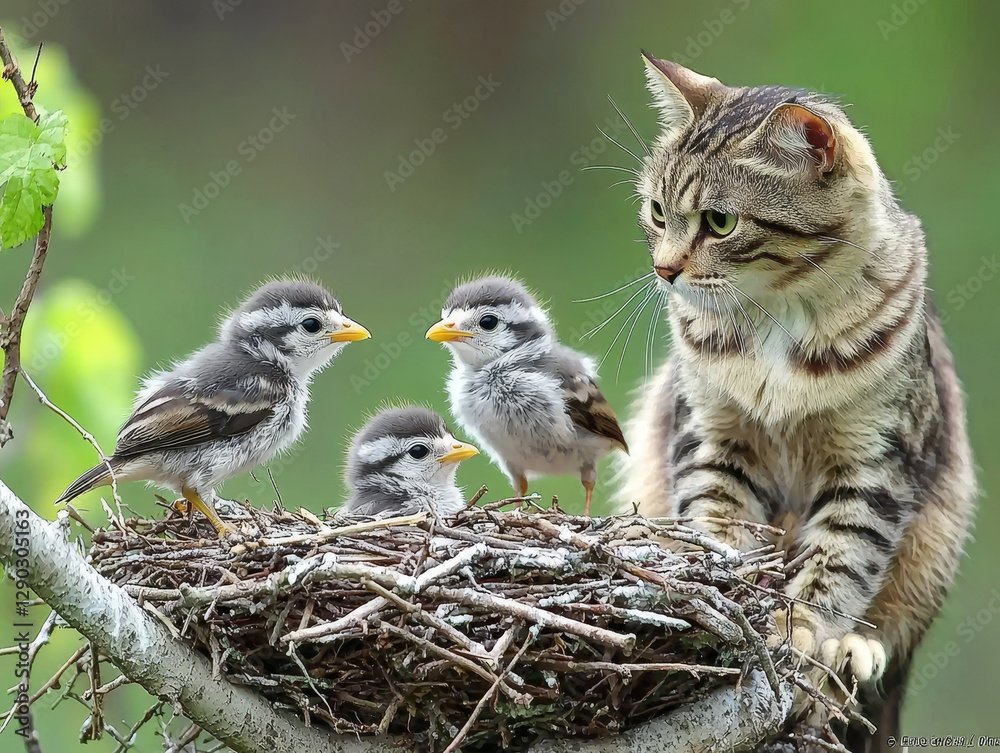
(810, 386)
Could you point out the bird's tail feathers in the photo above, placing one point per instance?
(95, 477)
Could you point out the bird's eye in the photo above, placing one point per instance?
(489, 322)
(656, 211)
(720, 224)
(311, 325)
(418, 451)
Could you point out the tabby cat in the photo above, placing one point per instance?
(810, 386)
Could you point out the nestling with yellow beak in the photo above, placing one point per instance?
(404, 461)
(530, 401)
(234, 404)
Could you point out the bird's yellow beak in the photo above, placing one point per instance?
(445, 332)
(459, 451)
(349, 332)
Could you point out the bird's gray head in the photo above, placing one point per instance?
(411, 443)
(488, 317)
(402, 448)
(297, 319)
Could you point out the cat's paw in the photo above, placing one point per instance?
(865, 656)
(801, 632)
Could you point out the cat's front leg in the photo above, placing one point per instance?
(714, 479)
(857, 530)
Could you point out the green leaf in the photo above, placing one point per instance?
(80, 191)
(20, 213)
(29, 154)
(52, 129)
(18, 125)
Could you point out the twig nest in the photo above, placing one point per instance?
(528, 625)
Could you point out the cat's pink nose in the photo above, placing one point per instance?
(670, 272)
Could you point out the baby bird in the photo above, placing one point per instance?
(235, 403)
(403, 461)
(530, 401)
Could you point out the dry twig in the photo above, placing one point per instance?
(10, 338)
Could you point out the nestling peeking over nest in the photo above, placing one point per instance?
(567, 626)
(404, 461)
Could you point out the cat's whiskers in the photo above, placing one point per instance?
(737, 332)
(607, 321)
(638, 315)
(702, 299)
(621, 146)
(831, 239)
(828, 275)
(621, 183)
(754, 331)
(617, 290)
(635, 133)
(612, 167)
(654, 320)
(768, 314)
(716, 331)
(634, 312)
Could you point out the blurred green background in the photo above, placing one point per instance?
(215, 144)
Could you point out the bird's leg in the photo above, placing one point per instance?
(589, 487)
(520, 487)
(588, 477)
(195, 502)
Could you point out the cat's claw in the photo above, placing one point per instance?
(865, 656)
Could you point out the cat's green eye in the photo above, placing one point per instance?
(656, 211)
(720, 224)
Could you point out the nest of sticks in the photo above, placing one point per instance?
(493, 629)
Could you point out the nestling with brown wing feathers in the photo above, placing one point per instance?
(530, 401)
(235, 403)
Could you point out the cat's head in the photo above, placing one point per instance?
(753, 187)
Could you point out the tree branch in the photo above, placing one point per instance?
(12, 72)
(10, 339)
(727, 719)
(143, 649)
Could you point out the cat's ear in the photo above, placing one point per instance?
(678, 93)
(797, 138)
